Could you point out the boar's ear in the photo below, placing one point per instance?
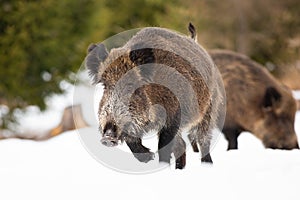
(142, 56)
(272, 96)
(91, 47)
(97, 53)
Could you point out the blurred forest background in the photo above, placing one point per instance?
(43, 43)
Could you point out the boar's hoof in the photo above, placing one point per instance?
(181, 162)
(144, 157)
(207, 159)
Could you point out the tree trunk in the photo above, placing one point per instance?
(72, 119)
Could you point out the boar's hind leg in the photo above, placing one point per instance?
(205, 149)
(139, 151)
(179, 152)
(231, 134)
(204, 137)
(193, 140)
(205, 153)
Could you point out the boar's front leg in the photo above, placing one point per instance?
(165, 144)
(139, 151)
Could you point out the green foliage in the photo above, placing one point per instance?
(40, 42)
(278, 23)
(120, 15)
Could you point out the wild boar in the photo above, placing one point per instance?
(156, 68)
(256, 102)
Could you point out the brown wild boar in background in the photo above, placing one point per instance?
(156, 67)
(256, 102)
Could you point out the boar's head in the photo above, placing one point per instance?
(120, 96)
(276, 128)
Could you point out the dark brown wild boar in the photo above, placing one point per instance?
(256, 102)
(156, 67)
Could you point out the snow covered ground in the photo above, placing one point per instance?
(61, 168)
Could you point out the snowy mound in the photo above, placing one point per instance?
(296, 94)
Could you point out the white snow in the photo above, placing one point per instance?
(61, 168)
(296, 94)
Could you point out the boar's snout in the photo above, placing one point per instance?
(109, 141)
(290, 147)
(110, 138)
(286, 145)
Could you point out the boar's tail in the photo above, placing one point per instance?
(193, 31)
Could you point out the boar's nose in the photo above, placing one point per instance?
(294, 145)
(109, 138)
(290, 147)
(109, 142)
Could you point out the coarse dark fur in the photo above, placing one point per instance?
(156, 68)
(256, 102)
